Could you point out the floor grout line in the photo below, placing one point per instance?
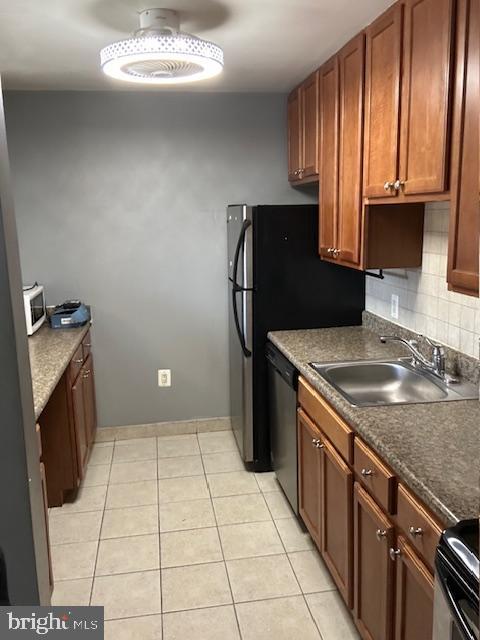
(100, 531)
(159, 546)
(223, 555)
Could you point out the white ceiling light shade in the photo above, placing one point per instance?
(160, 54)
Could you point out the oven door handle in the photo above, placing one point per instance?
(457, 614)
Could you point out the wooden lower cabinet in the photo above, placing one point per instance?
(89, 400)
(374, 536)
(43, 480)
(336, 521)
(68, 425)
(414, 595)
(325, 501)
(78, 406)
(309, 475)
(374, 559)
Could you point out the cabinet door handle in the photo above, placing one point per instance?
(319, 445)
(336, 253)
(389, 185)
(367, 472)
(415, 531)
(398, 184)
(79, 361)
(87, 344)
(394, 553)
(380, 533)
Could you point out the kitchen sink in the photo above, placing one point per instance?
(367, 383)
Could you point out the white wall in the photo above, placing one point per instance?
(121, 201)
(426, 305)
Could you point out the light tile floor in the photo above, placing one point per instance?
(177, 541)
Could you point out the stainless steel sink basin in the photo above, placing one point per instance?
(370, 383)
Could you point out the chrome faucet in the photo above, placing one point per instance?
(435, 366)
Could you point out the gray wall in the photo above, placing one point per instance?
(120, 201)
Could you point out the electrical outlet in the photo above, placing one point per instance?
(164, 378)
(394, 306)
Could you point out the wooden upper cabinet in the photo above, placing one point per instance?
(328, 156)
(303, 131)
(294, 135)
(373, 568)
(382, 103)
(464, 229)
(414, 596)
(309, 474)
(349, 223)
(309, 102)
(425, 96)
(336, 538)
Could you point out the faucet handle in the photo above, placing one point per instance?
(434, 345)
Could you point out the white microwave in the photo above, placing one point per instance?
(35, 310)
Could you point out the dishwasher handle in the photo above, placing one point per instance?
(282, 365)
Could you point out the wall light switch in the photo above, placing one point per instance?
(394, 306)
(164, 378)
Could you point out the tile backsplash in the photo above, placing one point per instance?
(425, 304)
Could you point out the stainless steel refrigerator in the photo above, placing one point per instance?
(276, 281)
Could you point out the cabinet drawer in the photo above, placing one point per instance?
(374, 475)
(87, 345)
(76, 362)
(336, 430)
(420, 528)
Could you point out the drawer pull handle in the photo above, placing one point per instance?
(367, 472)
(87, 344)
(415, 531)
(79, 361)
(394, 553)
(380, 533)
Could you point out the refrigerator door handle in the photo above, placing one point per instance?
(246, 352)
(241, 238)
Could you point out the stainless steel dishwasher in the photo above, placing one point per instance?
(282, 395)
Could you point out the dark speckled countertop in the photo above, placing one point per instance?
(433, 448)
(50, 352)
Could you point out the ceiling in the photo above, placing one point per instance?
(269, 45)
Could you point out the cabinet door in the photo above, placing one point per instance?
(349, 224)
(328, 156)
(382, 103)
(43, 480)
(309, 103)
(294, 137)
(309, 475)
(425, 95)
(464, 214)
(336, 517)
(414, 596)
(373, 568)
(79, 421)
(89, 400)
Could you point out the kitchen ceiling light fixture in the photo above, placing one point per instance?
(160, 54)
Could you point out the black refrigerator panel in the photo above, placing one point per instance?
(293, 289)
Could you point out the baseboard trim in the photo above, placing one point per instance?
(180, 427)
